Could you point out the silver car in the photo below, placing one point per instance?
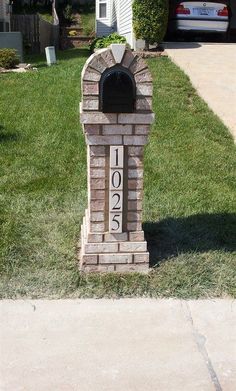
(203, 16)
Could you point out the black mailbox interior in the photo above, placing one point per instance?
(117, 91)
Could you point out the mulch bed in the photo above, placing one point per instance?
(151, 53)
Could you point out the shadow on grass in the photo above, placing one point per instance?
(200, 233)
(7, 136)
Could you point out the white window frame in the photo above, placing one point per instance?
(99, 3)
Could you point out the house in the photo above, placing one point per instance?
(116, 15)
(5, 9)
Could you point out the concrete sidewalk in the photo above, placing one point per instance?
(118, 345)
(212, 71)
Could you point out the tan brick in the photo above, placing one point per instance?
(98, 268)
(134, 205)
(97, 216)
(134, 118)
(138, 65)
(97, 163)
(90, 259)
(97, 184)
(100, 118)
(137, 236)
(135, 140)
(137, 226)
(105, 140)
(127, 59)
(135, 151)
(96, 205)
(108, 58)
(135, 161)
(117, 129)
(115, 258)
(143, 104)
(134, 216)
(95, 238)
(116, 237)
(90, 88)
(142, 129)
(135, 184)
(90, 104)
(143, 76)
(144, 89)
(99, 248)
(91, 75)
(97, 64)
(97, 173)
(92, 129)
(97, 194)
(97, 151)
(135, 195)
(97, 227)
(138, 268)
(141, 258)
(133, 246)
(135, 173)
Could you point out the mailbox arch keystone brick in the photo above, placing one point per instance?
(116, 131)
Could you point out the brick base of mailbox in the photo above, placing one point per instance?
(124, 252)
(102, 250)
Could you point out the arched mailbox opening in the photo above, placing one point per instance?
(117, 91)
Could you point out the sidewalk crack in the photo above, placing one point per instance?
(200, 341)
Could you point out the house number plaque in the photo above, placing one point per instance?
(116, 189)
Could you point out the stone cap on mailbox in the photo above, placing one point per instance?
(116, 63)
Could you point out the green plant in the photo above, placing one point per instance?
(8, 58)
(103, 42)
(88, 23)
(46, 16)
(68, 13)
(150, 19)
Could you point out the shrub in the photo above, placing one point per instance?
(150, 18)
(99, 43)
(8, 58)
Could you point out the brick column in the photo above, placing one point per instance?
(103, 250)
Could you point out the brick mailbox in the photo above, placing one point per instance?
(116, 115)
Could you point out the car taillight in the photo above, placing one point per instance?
(181, 10)
(223, 12)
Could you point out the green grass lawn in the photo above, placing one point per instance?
(189, 206)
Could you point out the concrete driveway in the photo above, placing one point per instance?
(212, 71)
(118, 345)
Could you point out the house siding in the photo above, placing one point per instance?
(125, 20)
(104, 25)
(115, 14)
(119, 18)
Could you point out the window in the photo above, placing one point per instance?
(102, 9)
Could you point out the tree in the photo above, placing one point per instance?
(150, 18)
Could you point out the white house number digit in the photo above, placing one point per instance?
(116, 189)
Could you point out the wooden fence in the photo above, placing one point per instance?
(37, 33)
(28, 25)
